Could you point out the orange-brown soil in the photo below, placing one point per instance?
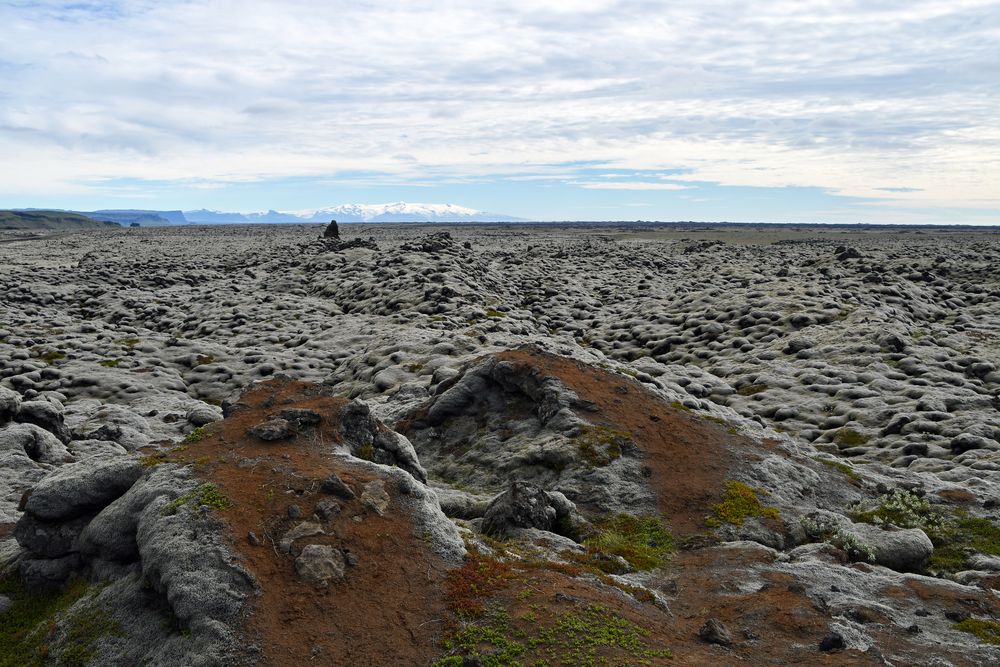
(388, 610)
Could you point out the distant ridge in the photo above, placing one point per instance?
(50, 221)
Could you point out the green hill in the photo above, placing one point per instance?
(50, 220)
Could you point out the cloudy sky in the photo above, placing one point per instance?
(789, 110)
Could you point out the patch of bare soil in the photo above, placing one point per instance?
(389, 608)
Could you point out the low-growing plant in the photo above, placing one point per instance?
(841, 466)
(903, 509)
(109, 363)
(643, 541)
(848, 437)
(752, 389)
(739, 503)
(985, 630)
(600, 445)
(206, 495)
(24, 626)
(196, 435)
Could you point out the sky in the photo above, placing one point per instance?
(877, 111)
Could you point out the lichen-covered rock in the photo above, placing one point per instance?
(319, 564)
(79, 488)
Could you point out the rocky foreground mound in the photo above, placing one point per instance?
(529, 509)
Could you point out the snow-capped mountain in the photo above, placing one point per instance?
(394, 212)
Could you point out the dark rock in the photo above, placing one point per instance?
(914, 629)
(327, 509)
(714, 632)
(46, 415)
(832, 642)
(956, 615)
(300, 417)
(337, 487)
(274, 429)
(80, 488)
(523, 505)
(48, 573)
(49, 539)
(294, 512)
(253, 540)
(331, 231)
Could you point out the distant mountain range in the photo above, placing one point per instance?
(395, 212)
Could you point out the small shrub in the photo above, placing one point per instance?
(739, 503)
(903, 509)
(366, 452)
(643, 541)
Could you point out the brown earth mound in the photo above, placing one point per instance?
(389, 607)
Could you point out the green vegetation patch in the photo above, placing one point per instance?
(954, 533)
(955, 538)
(196, 435)
(600, 445)
(109, 363)
(583, 636)
(644, 542)
(841, 466)
(984, 630)
(739, 503)
(50, 357)
(492, 312)
(848, 437)
(128, 343)
(27, 628)
(206, 495)
(751, 389)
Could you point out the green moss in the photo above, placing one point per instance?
(751, 389)
(492, 312)
(84, 628)
(739, 503)
(848, 437)
(52, 356)
(24, 627)
(643, 541)
(840, 466)
(986, 631)
(110, 363)
(953, 540)
(153, 460)
(600, 445)
(205, 359)
(196, 435)
(128, 343)
(207, 495)
(581, 636)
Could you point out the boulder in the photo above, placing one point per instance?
(522, 505)
(318, 564)
(79, 488)
(10, 403)
(902, 549)
(46, 415)
(34, 441)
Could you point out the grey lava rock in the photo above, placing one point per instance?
(714, 632)
(903, 550)
(335, 486)
(46, 415)
(522, 505)
(319, 564)
(273, 429)
(78, 488)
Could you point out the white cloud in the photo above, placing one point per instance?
(628, 185)
(852, 96)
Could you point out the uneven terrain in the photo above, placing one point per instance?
(500, 445)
